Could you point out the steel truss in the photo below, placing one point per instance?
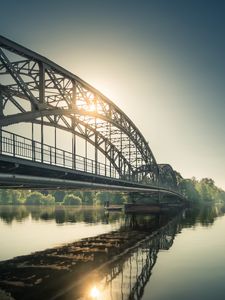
(46, 94)
(167, 176)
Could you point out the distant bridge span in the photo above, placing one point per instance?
(68, 134)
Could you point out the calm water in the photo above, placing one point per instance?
(25, 229)
(186, 260)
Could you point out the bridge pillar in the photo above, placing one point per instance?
(74, 151)
(55, 133)
(74, 106)
(42, 140)
(96, 154)
(1, 115)
(86, 151)
(42, 100)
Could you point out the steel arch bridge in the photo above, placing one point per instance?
(39, 93)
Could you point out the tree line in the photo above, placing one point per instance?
(201, 191)
(196, 191)
(71, 197)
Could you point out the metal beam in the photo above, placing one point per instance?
(24, 180)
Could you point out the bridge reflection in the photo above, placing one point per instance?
(126, 277)
(116, 265)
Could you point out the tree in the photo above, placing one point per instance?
(118, 198)
(88, 198)
(48, 200)
(101, 198)
(203, 190)
(5, 197)
(16, 197)
(34, 198)
(71, 199)
(188, 188)
(59, 195)
(10, 197)
(37, 198)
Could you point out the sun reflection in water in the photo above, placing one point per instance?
(95, 293)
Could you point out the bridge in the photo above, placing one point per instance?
(57, 131)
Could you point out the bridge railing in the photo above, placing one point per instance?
(14, 145)
(17, 146)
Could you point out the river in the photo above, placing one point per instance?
(25, 229)
(184, 260)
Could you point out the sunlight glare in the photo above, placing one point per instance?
(94, 293)
(92, 107)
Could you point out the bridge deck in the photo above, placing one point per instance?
(25, 163)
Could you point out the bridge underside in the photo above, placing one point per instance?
(54, 177)
(22, 172)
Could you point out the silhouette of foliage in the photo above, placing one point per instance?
(203, 190)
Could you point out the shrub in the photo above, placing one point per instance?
(37, 198)
(48, 200)
(34, 198)
(71, 199)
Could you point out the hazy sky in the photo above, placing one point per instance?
(161, 62)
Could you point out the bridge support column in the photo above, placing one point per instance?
(42, 140)
(105, 162)
(74, 151)
(1, 115)
(96, 160)
(55, 133)
(130, 175)
(42, 100)
(96, 153)
(74, 106)
(85, 146)
(32, 141)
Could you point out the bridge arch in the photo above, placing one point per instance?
(35, 90)
(167, 176)
(58, 98)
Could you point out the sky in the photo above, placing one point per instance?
(161, 62)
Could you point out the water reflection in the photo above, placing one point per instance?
(205, 215)
(25, 229)
(126, 277)
(95, 293)
(61, 214)
(111, 275)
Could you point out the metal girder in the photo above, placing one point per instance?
(57, 94)
(167, 176)
(16, 76)
(28, 116)
(110, 151)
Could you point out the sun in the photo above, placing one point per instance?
(91, 107)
